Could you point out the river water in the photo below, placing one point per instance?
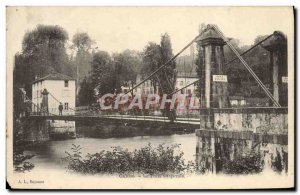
(49, 155)
(50, 169)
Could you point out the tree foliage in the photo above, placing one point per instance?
(169, 72)
(127, 65)
(154, 56)
(43, 51)
(82, 43)
(240, 80)
(86, 92)
(103, 74)
(151, 60)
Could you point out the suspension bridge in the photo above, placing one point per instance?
(222, 131)
(214, 112)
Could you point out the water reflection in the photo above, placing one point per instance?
(49, 154)
(212, 155)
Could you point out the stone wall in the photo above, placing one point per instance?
(60, 129)
(253, 119)
(36, 131)
(241, 152)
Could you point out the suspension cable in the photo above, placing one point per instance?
(258, 43)
(230, 61)
(247, 66)
(184, 87)
(34, 104)
(165, 64)
(59, 101)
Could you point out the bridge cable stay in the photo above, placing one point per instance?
(165, 64)
(43, 109)
(35, 105)
(250, 49)
(226, 63)
(162, 66)
(58, 100)
(247, 66)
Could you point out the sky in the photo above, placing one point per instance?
(115, 29)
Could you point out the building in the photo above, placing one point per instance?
(145, 88)
(183, 81)
(61, 88)
(47, 94)
(258, 102)
(237, 101)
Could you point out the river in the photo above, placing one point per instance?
(49, 155)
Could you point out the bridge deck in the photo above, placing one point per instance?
(114, 117)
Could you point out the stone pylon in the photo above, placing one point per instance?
(277, 46)
(213, 94)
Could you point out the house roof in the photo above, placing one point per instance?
(54, 76)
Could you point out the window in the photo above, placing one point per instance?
(234, 102)
(66, 83)
(66, 106)
(181, 83)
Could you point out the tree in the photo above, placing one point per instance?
(240, 81)
(127, 65)
(151, 60)
(169, 72)
(86, 92)
(103, 74)
(43, 51)
(82, 44)
(155, 56)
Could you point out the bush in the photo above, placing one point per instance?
(147, 161)
(244, 165)
(20, 160)
(21, 164)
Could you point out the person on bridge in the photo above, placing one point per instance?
(60, 108)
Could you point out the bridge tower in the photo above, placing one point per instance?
(214, 93)
(277, 46)
(230, 134)
(44, 104)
